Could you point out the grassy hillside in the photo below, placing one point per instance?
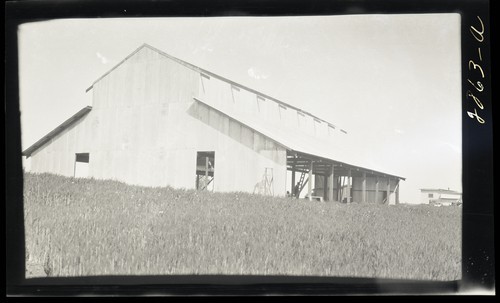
(90, 227)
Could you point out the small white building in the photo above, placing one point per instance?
(440, 197)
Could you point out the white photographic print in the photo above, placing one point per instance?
(283, 146)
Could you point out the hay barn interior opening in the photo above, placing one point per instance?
(339, 182)
(205, 170)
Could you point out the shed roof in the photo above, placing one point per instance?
(76, 117)
(307, 146)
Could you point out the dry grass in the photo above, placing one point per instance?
(88, 227)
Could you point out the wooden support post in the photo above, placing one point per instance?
(376, 191)
(331, 180)
(342, 188)
(325, 187)
(388, 190)
(397, 192)
(364, 187)
(309, 185)
(293, 179)
(349, 187)
(339, 189)
(206, 173)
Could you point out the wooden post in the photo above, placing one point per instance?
(364, 187)
(339, 189)
(206, 173)
(349, 187)
(397, 192)
(293, 178)
(325, 187)
(342, 191)
(309, 184)
(388, 190)
(331, 180)
(376, 191)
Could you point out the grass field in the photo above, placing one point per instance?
(88, 227)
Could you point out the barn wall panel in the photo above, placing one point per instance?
(235, 99)
(58, 155)
(371, 183)
(371, 189)
(239, 163)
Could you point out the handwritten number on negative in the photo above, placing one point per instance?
(474, 115)
(476, 99)
(479, 86)
(476, 33)
(476, 66)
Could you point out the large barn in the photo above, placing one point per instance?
(156, 120)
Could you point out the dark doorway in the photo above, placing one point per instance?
(384, 197)
(205, 168)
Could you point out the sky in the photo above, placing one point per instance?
(393, 82)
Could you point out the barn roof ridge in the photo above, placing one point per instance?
(202, 70)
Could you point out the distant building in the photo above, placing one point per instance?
(440, 197)
(157, 120)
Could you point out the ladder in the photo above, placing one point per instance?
(301, 184)
(206, 182)
(267, 180)
(203, 181)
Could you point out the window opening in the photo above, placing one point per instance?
(205, 168)
(81, 169)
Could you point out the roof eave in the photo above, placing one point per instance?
(61, 127)
(353, 166)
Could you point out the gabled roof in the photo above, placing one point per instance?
(211, 74)
(73, 119)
